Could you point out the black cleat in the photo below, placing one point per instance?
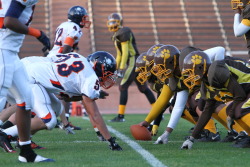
(242, 143)
(118, 118)
(208, 136)
(231, 136)
(5, 143)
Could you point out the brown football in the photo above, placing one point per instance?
(140, 132)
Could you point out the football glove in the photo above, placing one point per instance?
(163, 139)
(69, 129)
(113, 145)
(45, 41)
(103, 94)
(230, 123)
(188, 143)
(120, 73)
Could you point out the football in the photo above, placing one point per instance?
(140, 132)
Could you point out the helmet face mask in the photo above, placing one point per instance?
(114, 22)
(195, 67)
(79, 15)
(165, 62)
(190, 79)
(104, 65)
(143, 68)
(235, 4)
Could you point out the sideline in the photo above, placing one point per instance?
(150, 158)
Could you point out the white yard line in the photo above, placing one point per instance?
(150, 158)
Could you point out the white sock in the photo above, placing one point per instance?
(11, 131)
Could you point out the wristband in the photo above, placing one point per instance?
(34, 32)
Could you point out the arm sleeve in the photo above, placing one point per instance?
(239, 28)
(15, 9)
(124, 55)
(204, 118)
(216, 53)
(161, 102)
(181, 100)
(118, 58)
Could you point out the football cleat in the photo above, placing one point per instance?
(36, 146)
(117, 119)
(37, 159)
(100, 136)
(241, 135)
(208, 136)
(5, 143)
(33, 145)
(113, 145)
(231, 136)
(242, 143)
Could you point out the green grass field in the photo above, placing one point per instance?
(85, 150)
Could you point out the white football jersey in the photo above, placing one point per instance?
(9, 39)
(72, 74)
(64, 30)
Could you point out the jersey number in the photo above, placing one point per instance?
(58, 35)
(64, 69)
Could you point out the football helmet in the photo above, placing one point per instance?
(104, 65)
(239, 4)
(114, 22)
(151, 54)
(166, 60)
(79, 15)
(145, 62)
(143, 68)
(195, 67)
(184, 52)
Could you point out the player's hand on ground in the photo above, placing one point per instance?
(45, 41)
(113, 145)
(188, 143)
(144, 123)
(69, 129)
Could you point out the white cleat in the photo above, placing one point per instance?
(37, 159)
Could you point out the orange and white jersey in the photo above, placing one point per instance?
(66, 33)
(71, 74)
(9, 39)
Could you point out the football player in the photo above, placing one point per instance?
(127, 53)
(66, 40)
(241, 20)
(144, 64)
(15, 18)
(167, 67)
(72, 77)
(226, 79)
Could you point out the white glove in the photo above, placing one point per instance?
(163, 139)
(69, 129)
(188, 143)
(230, 123)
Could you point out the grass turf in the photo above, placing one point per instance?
(85, 150)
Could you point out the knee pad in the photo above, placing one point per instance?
(50, 121)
